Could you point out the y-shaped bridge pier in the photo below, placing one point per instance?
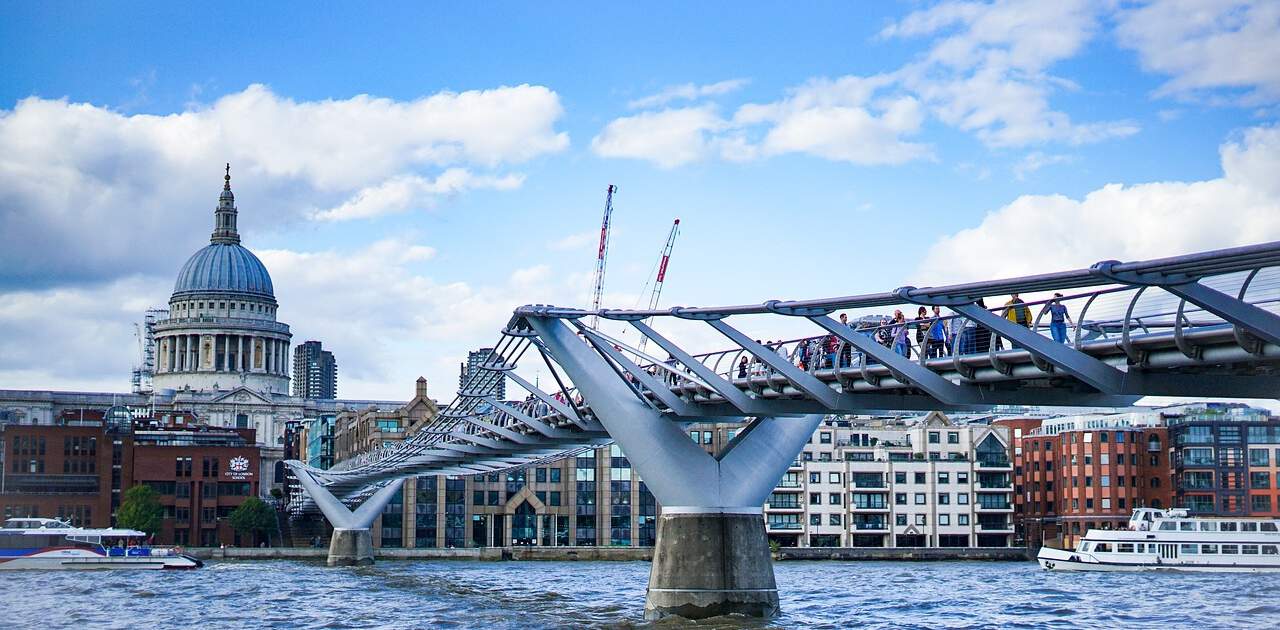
(1202, 324)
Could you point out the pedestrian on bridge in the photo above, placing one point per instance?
(1058, 318)
(901, 342)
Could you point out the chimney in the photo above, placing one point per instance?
(422, 387)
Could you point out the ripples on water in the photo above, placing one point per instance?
(496, 595)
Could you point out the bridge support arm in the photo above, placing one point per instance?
(352, 542)
(712, 554)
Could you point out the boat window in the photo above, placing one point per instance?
(1248, 527)
(1251, 550)
(1168, 526)
(1208, 549)
(1228, 526)
(1186, 526)
(1268, 527)
(1188, 548)
(1124, 548)
(1106, 547)
(1086, 546)
(1208, 526)
(1270, 550)
(1231, 549)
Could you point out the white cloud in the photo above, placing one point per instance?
(402, 192)
(986, 73)
(668, 138)
(1208, 44)
(113, 193)
(1035, 161)
(688, 92)
(1041, 233)
(833, 119)
(580, 240)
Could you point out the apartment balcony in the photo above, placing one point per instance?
(995, 464)
(788, 486)
(995, 527)
(875, 486)
(984, 487)
(783, 507)
(869, 507)
(874, 526)
(796, 465)
(993, 507)
(783, 527)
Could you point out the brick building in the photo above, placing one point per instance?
(1225, 460)
(74, 468)
(202, 474)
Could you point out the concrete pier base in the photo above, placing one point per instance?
(706, 565)
(351, 547)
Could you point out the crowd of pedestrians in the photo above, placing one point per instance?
(929, 333)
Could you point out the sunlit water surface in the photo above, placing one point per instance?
(493, 595)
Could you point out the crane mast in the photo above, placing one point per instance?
(662, 272)
(602, 253)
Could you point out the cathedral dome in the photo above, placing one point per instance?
(224, 268)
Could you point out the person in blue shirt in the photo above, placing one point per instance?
(1058, 318)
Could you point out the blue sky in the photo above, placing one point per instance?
(410, 172)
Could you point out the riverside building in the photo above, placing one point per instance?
(922, 482)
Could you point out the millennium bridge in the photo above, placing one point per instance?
(1202, 324)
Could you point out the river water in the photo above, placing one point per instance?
(495, 595)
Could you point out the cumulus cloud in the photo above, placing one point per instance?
(1207, 44)
(111, 193)
(985, 71)
(688, 92)
(402, 192)
(668, 138)
(1039, 233)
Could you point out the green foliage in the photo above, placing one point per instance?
(774, 546)
(140, 510)
(277, 493)
(253, 517)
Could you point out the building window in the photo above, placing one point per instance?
(833, 477)
(815, 477)
(824, 437)
(920, 478)
(922, 519)
(962, 519)
(900, 498)
(935, 437)
(900, 520)
(815, 498)
(944, 498)
(953, 437)
(834, 519)
(833, 498)
(944, 519)
(944, 477)
(962, 498)
(899, 477)
(920, 499)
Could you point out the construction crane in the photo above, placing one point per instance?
(602, 254)
(662, 273)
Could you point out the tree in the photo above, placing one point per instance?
(140, 510)
(253, 517)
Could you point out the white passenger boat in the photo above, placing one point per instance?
(46, 543)
(1171, 540)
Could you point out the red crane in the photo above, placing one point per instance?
(602, 253)
(662, 272)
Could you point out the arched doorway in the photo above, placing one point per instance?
(524, 525)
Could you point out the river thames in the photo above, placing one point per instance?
(492, 595)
